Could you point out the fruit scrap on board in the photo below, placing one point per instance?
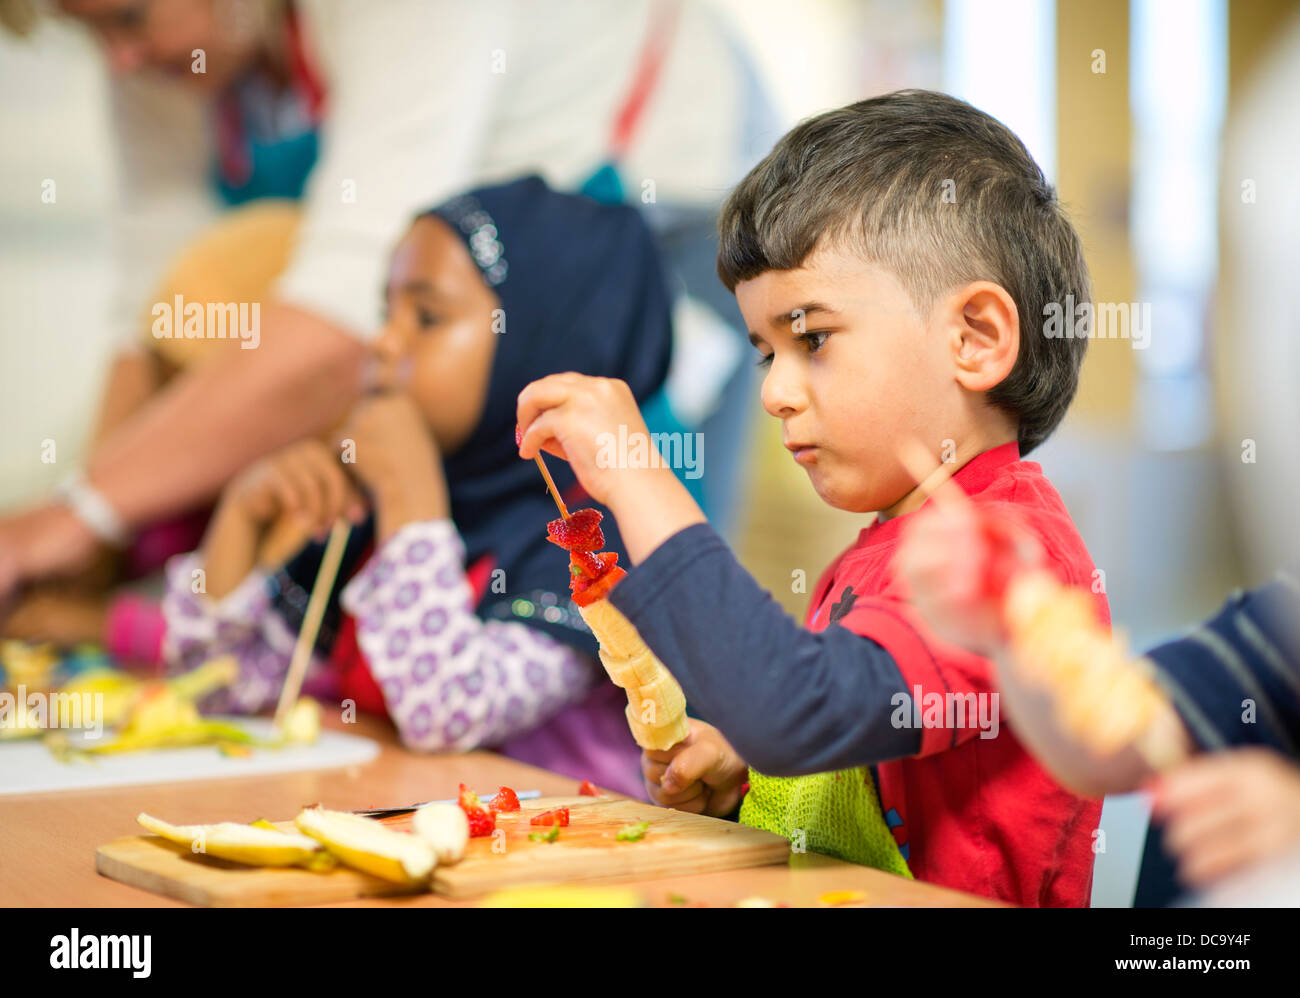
(482, 821)
(505, 800)
(588, 789)
(633, 833)
(558, 817)
(550, 836)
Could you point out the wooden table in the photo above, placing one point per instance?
(48, 841)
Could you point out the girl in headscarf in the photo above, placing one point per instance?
(451, 614)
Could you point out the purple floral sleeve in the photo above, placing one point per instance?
(452, 681)
(242, 624)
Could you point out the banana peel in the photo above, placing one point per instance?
(214, 674)
(369, 846)
(118, 689)
(163, 714)
(258, 844)
(161, 718)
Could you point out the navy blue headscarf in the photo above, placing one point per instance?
(582, 289)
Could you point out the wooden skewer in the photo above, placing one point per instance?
(550, 484)
(931, 481)
(311, 620)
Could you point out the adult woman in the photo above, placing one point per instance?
(368, 111)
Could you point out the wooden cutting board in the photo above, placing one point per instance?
(587, 851)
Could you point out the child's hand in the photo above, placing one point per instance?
(387, 442)
(291, 496)
(1224, 811)
(946, 558)
(578, 418)
(569, 415)
(701, 774)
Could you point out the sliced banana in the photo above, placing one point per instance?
(652, 692)
(248, 844)
(367, 845)
(661, 736)
(445, 828)
(617, 635)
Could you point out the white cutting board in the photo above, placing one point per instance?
(27, 767)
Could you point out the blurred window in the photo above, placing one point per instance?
(1178, 86)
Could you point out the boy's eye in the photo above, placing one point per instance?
(426, 319)
(764, 361)
(813, 340)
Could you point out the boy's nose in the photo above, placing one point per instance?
(782, 394)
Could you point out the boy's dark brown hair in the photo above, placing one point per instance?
(940, 193)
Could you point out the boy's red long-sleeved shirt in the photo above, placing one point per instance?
(973, 813)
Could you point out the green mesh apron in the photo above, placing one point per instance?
(838, 814)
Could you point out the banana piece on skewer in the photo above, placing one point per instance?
(1104, 696)
(656, 706)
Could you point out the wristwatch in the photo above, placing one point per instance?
(90, 507)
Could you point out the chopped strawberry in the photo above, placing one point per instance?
(505, 800)
(585, 595)
(588, 789)
(591, 565)
(481, 820)
(580, 531)
(468, 800)
(560, 816)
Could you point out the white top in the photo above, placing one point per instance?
(427, 98)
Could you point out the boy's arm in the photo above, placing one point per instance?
(789, 701)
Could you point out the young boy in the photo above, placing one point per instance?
(894, 260)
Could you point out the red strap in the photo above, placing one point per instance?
(653, 53)
(232, 154)
(356, 683)
(305, 78)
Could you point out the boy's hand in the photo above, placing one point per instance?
(577, 418)
(1227, 810)
(946, 558)
(701, 774)
(387, 443)
(569, 415)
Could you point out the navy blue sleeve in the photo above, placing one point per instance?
(790, 701)
(1235, 680)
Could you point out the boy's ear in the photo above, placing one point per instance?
(985, 335)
